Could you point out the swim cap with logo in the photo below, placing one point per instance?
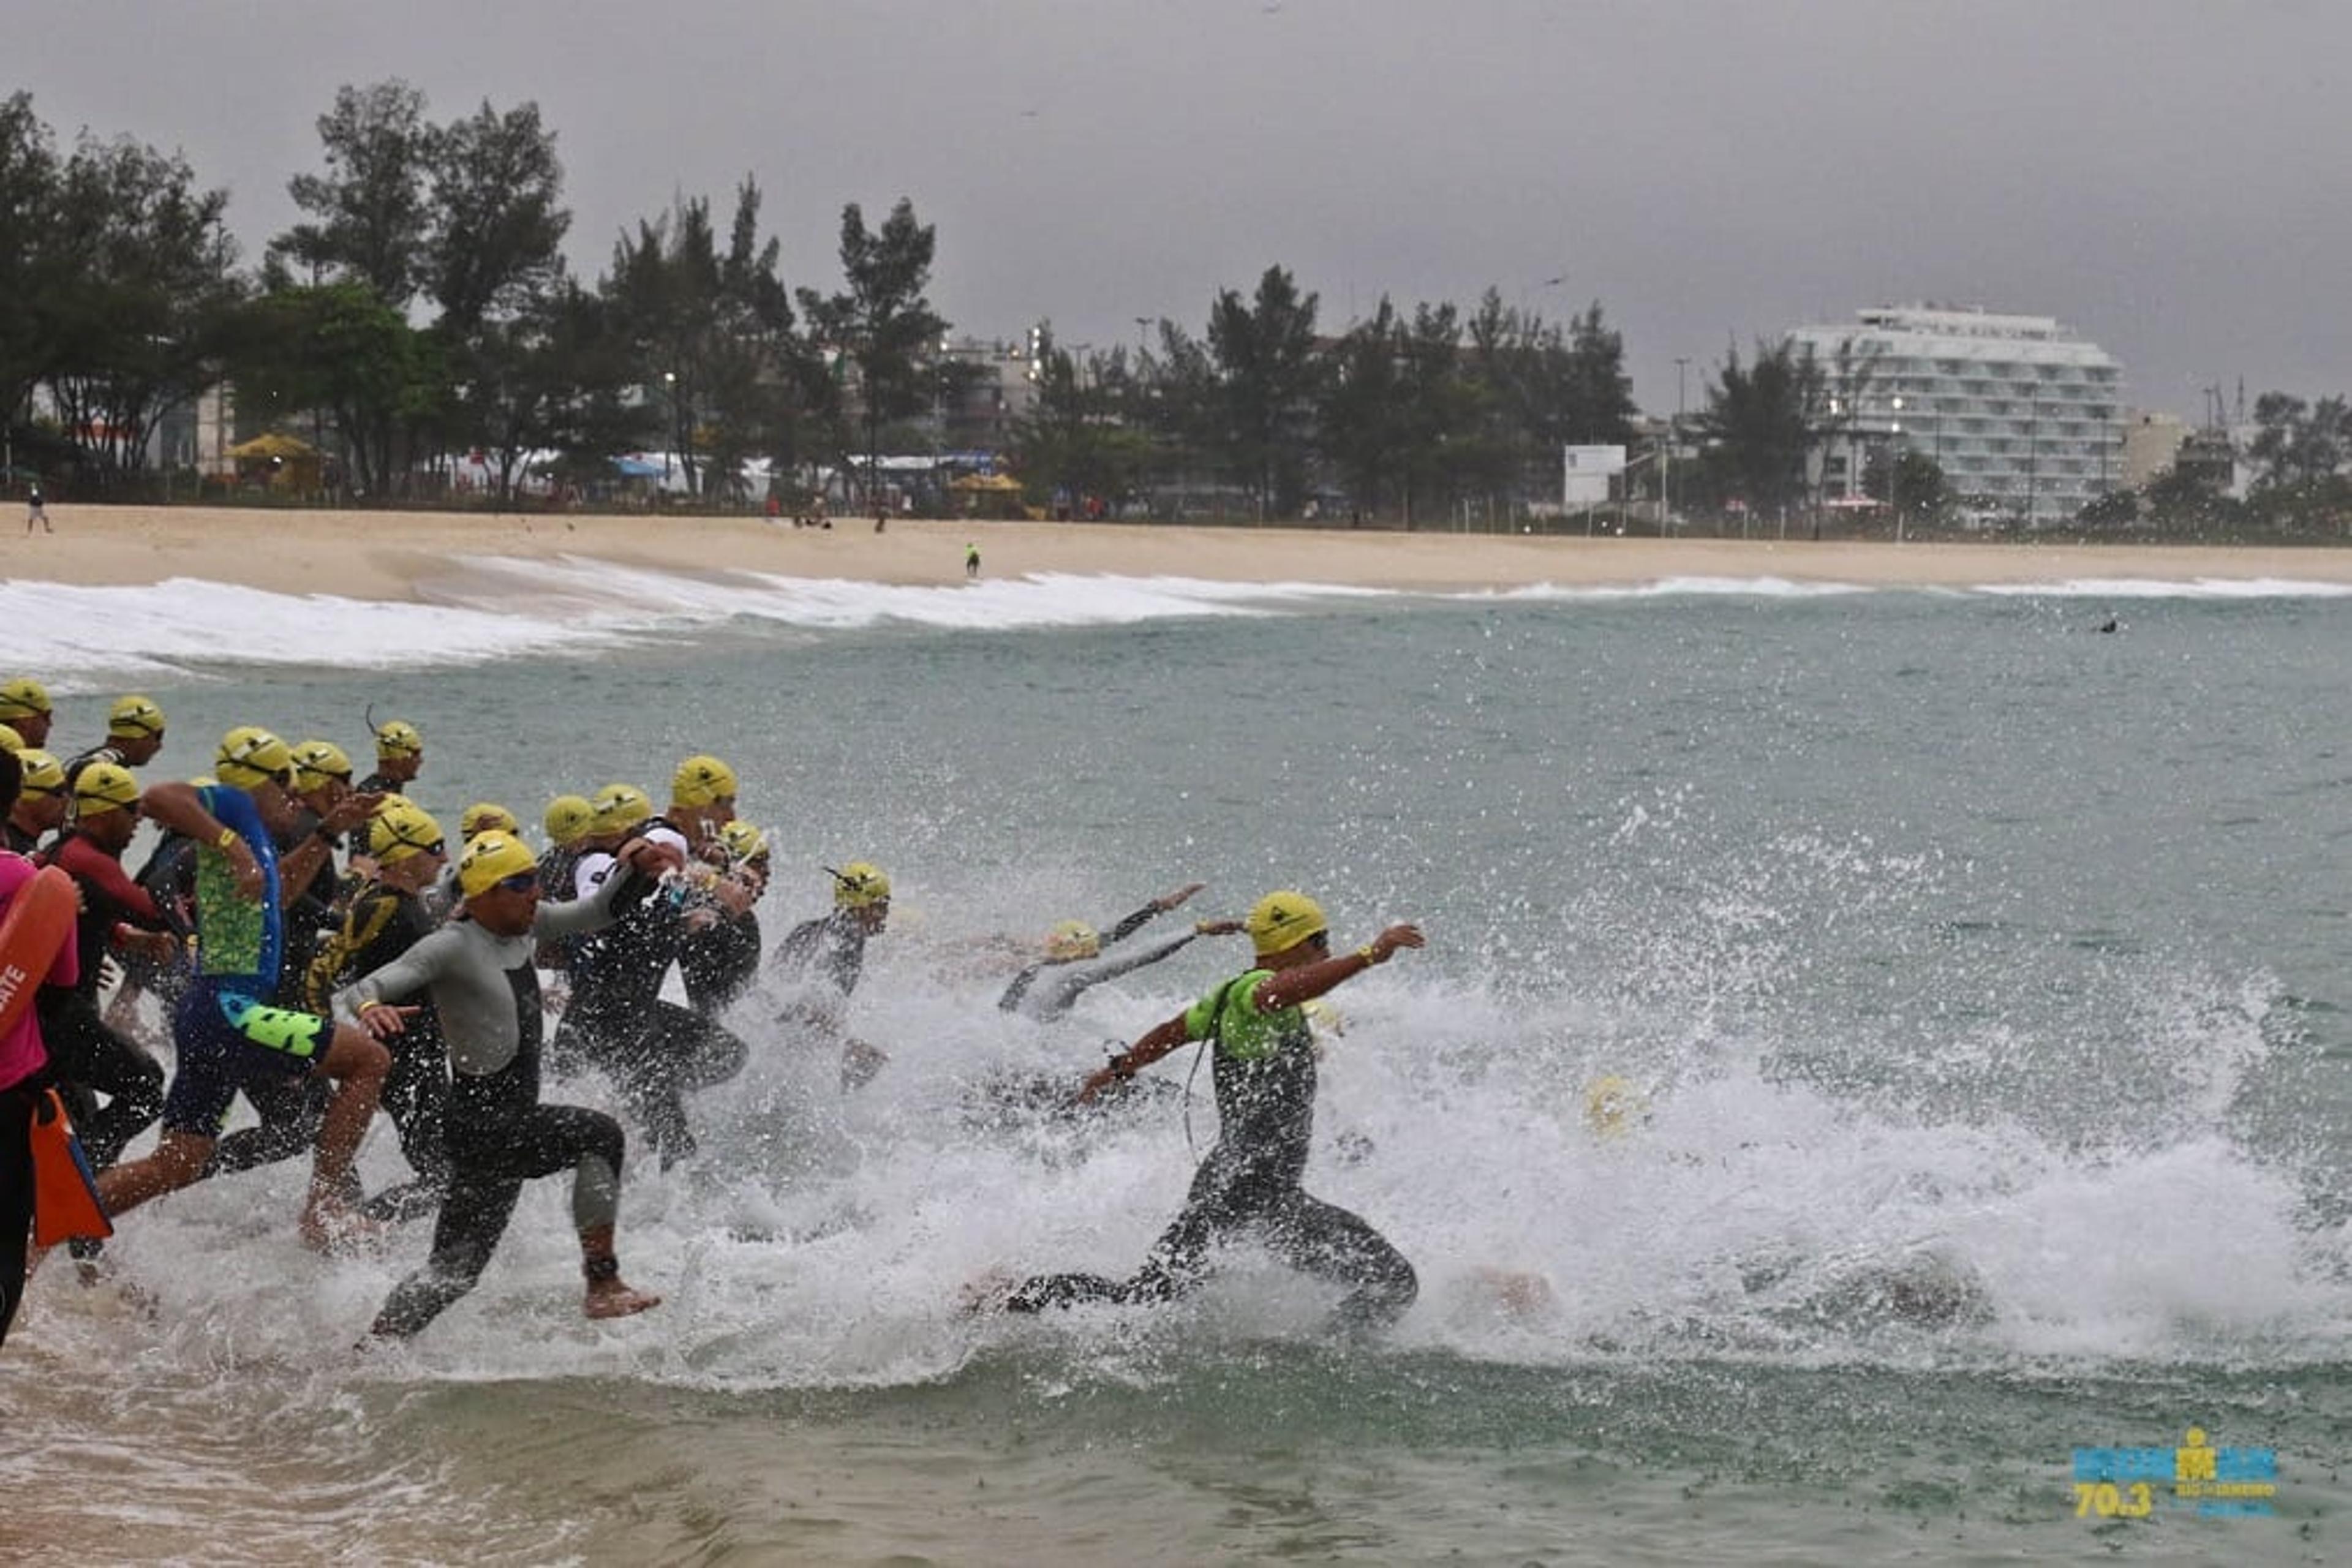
(491, 859)
(133, 716)
(1280, 921)
(701, 781)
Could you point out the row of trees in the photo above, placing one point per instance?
(1402, 416)
(422, 306)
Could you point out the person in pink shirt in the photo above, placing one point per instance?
(22, 1061)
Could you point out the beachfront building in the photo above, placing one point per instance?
(2022, 416)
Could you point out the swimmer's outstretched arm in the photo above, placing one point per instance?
(1162, 1039)
(1305, 982)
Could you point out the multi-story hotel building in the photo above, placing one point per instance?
(2022, 416)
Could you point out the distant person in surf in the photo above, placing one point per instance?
(477, 970)
(971, 560)
(1263, 1058)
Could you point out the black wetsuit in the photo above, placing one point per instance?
(719, 962)
(383, 924)
(1248, 1187)
(653, 1050)
(833, 945)
(86, 1058)
(500, 1135)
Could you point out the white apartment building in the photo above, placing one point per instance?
(2022, 416)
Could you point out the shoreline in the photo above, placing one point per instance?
(394, 556)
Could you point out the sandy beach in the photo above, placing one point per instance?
(403, 556)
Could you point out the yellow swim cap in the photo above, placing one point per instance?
(398, 738)
(485, 817)
(23, 698)
(742, 840)
(44, 774)
(491, 859)
(401, 828)
(10, 741)
(1612, 1105)
(102, 787)
(318, 764)
(132, 716)
(1280, 921)
(701, 781)
(1072, 940)
(251, 755)
(568, 817)
(619, 805)
(859, 885)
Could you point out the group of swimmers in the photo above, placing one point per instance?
(326, 950)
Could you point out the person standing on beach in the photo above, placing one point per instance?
(39, 510)
(478, 972)
(224, 1029)
(971, 559)
(1262, 1052)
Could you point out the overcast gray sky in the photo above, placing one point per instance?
(2169, 176)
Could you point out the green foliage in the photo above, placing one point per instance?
(716, 362)
(1760, 419)
(371, 216)
(880, 324)
(1919, 488)
(1267, 377)
(340, 349)
(492, 247)
(126, 277)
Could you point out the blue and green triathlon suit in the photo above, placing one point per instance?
(1248, 1188)
(227, 1032)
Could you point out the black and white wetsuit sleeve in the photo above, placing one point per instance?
(1055, 995)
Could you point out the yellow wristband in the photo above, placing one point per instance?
(227, 837)
(1368, 955)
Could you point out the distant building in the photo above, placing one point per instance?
(2021, 415)
(2151, 443)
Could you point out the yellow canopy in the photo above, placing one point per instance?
(985, 482)
(270, 444)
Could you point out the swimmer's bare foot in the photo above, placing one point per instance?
(615, 1299)
(334, 1228)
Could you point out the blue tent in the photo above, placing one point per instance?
(636, 468)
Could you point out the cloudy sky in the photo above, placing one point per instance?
(2169, 176)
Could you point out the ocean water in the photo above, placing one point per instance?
(1976, 978)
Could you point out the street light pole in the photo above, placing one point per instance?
(1895, 468)
(1682, 362)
